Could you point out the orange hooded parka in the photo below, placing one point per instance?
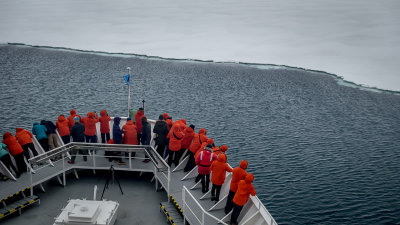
(245, 189)
(219, 169)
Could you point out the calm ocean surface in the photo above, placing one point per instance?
(321, 153)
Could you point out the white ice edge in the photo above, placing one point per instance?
(357, 40)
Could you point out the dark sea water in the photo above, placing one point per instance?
(321, 153)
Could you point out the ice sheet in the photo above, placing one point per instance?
(358, 40)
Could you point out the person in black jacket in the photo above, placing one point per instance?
(117, 136)
(161, 131)
(51, 133)
(78, 135)
(146, 134)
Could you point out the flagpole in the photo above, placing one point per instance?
(129, 91)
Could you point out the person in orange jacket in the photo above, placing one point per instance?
(220, 150)
(198, 140)
(104, 120)
(130, 133)
(70, 118)
(138, 122)
(245, 189)
(15, 150)
(188, 135)
(63, 129)
(24, 138)
(218, 169)
(90, 127)
(175, 144)
(238, 174)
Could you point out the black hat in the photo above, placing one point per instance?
(161, 117)
(140, 109)
(192, 126)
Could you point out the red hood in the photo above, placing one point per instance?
(222, 158)
(91, 115)
(183, 121)
(249, 178)
(210, 141)
(165, 116)
(130, 122)
(61, 118)
(72, 112)
(202, 131)
(243, 164)
(103, 113)
(188, 130)
(19, 129)
(223, 148)
(7, 135)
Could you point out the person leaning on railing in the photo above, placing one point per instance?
(6, 159)
(239, 173)
(245, 189)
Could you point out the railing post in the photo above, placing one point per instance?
(184, 203)
(31, 182)
(169, 183)
(64, 179)
(130, 160)
(94, 158)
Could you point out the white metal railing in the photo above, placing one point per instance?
(194, 212)
(43, 170)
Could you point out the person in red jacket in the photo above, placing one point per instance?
(238, 174)
(204, 161)
(24, 138)
(198, 140)
(175, 144)
(138, 122)
(15, 150)
(104, 120)
(130, 133)
(63, 129)
(245, 189)
(70, 118)
(188, 135)
(218, 169)
(90, 127)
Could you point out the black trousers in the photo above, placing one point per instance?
(160, 150)
(26, 148)
(105, 137)
(191, 162)
(139, 138)
(90, 139)
(175, 155)
(236, 212)
(215, 191)
(66, 139)
(6, 159)
(205, 181)
(19, 159)
(229, 202)
(44, 142)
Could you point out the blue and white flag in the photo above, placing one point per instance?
(127, 79)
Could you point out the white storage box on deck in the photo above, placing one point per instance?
(86, 212)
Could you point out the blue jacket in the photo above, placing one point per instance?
(3, 151)
(39, 131)
(117, 132)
